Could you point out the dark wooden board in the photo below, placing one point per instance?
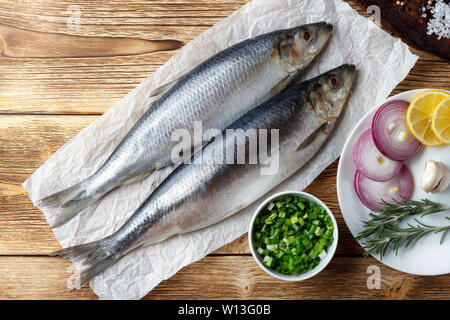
(405, 21)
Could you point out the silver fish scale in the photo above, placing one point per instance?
(233, 78)
(196, 196)
(217, 92)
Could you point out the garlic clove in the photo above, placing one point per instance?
(444, 182)
(431, 176)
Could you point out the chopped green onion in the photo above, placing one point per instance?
(319, 231)
(322, 255)
(268, 261)
(295, 233)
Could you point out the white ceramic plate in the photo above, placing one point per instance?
(426, 257)
(323, 262)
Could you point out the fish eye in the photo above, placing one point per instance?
(306, 35)
(333, 81)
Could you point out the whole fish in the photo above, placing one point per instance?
(216, 92)
(195, 196)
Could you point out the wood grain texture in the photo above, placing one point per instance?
(46, 99)
(23, 43)
(93, 84)
(228, 277)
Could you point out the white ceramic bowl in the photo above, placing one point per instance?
(323, 263)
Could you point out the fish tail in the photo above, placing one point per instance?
(71, 201)
(94, 256)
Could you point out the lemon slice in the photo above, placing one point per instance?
(420, 113)
(441, 121)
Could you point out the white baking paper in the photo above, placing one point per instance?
(382, 62)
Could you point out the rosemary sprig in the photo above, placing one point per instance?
(394, 237)
(397, 211)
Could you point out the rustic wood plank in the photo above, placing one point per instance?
(76, 85)
(105, 16)
(92, 85)
(28, 141)
(344, 278)
(24, 43)
(227, 277)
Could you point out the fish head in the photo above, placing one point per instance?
(300, 45)
(329, 91)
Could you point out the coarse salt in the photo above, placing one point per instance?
(439, 24)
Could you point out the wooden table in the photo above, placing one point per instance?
(52, 85)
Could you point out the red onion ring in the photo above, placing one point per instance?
(391, 134)
(371, 192)
(371, 162)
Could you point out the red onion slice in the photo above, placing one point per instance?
(371, 162)
(371, 192)
(391, 134)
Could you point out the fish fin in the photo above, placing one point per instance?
(281, 85)
(313, 137)
(295, 79)
(138, 178)
(94, 255)
(163, 88)
(58, 199)
(71, 200)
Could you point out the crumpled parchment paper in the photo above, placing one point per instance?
(382, 62)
